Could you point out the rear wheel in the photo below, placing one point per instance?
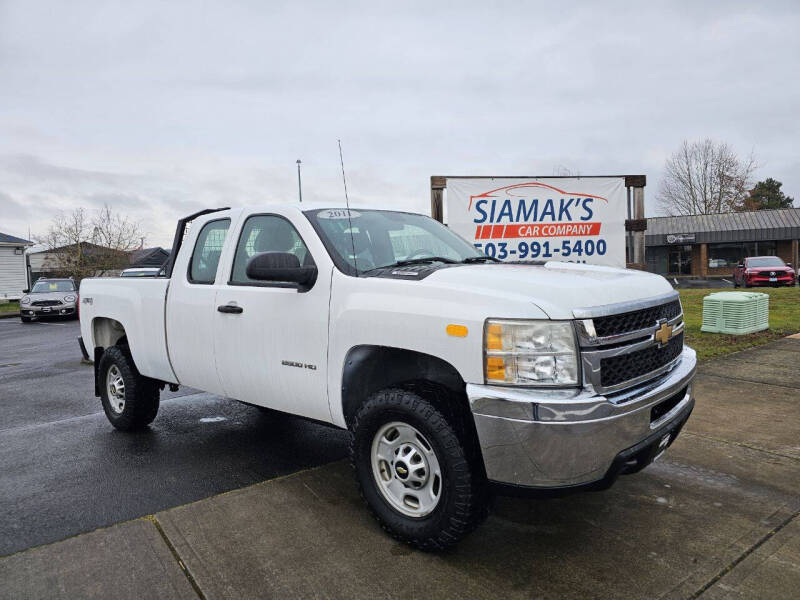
(414, 471)
(130, 400)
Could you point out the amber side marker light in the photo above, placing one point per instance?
(457, 330)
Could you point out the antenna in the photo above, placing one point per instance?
(299, 183)
(347, 203)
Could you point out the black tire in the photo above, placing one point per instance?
(141, 394)
(25, 319)
(462, 505)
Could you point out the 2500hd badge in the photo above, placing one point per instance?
(472, 377)
(291, 363)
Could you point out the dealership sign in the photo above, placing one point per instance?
(577, 219)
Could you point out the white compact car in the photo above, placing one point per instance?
(455, 374)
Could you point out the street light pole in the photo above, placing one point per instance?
(299, 183)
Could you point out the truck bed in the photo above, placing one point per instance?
(139, 302)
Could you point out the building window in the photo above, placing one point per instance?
(724, 256)
(727, 256)
(18, 251)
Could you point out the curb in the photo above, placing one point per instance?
(9, 315)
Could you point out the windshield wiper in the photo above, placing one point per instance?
(414, 261)
(423, 260)
(482, 258)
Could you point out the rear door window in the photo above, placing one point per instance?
(207, 250)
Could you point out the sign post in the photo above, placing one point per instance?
(577, 219)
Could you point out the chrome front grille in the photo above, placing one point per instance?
(636, 319)
(624, 367)
(624, 345)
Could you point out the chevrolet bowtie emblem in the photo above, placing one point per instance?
(663, 334)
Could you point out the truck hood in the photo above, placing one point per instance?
(557, 288)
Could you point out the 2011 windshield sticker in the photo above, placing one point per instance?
(338, 213)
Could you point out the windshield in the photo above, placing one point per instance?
(382, 238)
(767, 261)
(41, 287)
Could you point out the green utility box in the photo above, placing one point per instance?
(735, 312)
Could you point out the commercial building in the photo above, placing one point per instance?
(712, 245)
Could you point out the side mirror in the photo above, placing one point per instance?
(26, 291)
(788, 264)
(281, 267)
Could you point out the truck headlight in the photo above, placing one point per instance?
(532, 353)
(25, 300)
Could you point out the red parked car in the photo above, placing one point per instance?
(763, 270)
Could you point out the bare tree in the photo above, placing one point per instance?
(79, 247)
(705, 177)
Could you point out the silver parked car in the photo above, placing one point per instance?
(49, 298)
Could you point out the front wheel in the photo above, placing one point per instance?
(414, 471)
(130, 400)
(25, 319)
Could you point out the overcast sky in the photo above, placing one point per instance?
(160, 109)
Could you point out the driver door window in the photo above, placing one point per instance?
(266, 233)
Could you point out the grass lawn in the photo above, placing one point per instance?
(10, 306)
(784, 319)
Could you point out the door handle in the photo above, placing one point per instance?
(230, 309)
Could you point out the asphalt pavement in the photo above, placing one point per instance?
(64, 470)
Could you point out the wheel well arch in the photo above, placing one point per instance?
(106, 332)
(368, 369)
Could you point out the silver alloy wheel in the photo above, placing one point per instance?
(406, 469)
(115, 386)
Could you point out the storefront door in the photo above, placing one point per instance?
(680, 261)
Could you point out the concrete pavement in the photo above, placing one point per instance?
(717, 517)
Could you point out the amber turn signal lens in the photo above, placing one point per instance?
(494, 337)
(495, 368)
(457, 330)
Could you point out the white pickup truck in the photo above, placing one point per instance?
(455, 374)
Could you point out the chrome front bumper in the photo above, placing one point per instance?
(562, 438)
